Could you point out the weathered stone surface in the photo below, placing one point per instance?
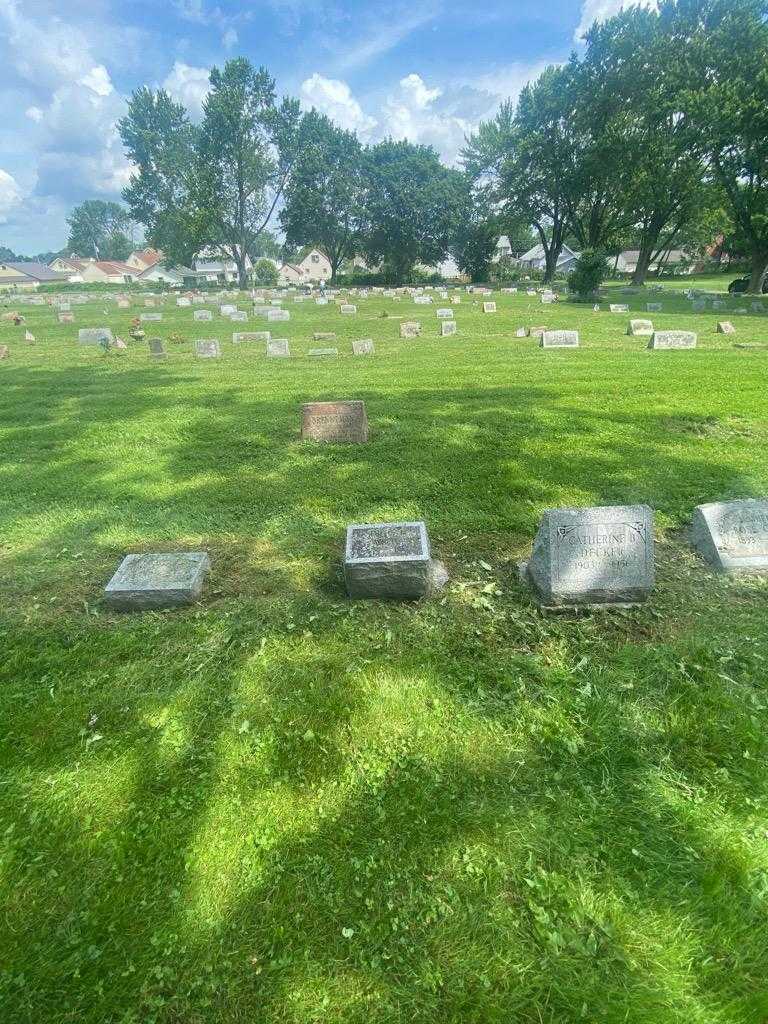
(363, 347)
(278, 348)
(559, 339)
(536, 332)
(588, 556)
(390, 560)
(202, 315)
(183, 302)
(725, 327)
(324, 336)
(489, 307)
(640, 329)
(240, 336)
(158, 580)
(733, 535)
(448, 328)
(334, 421)
(347, 309)
(151, 317)
(156, 348)
(547, 298)
(207, 348)
(673, 339)
(278, 315)
(94, 335)
(239, 316)
(444, 313)
(323, 352)
(227, 309)
(618, 307)
(410, 329)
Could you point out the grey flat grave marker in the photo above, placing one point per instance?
(559, 339)
(390, 560)
(444, 313)
(207, 348)
(323, 352)
(324, 336)
(593, 556)
(733, 535)
(347, 309)
(618, 307)
(151, 317)
(158, 580)
(240, 336)
(201, 315)
(278, 348)
(334, 421)
(725, 327)
(239, 316)
(363, 347)
(410, 329)
(673, 339)
(640, 329)
(278, 315)
(156, 348)
(227, 309)
(94, 335)
(448, 328)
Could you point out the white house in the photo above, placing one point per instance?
(534, 259)
(313, 267)
(159, 273)
(626, 262)
(143, 259)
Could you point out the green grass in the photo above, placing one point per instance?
(283, 806)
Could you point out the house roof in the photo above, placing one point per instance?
(537, 253)
(291, 266)
(111, 267)
(632, 256)
(35, 271)
(149, 257)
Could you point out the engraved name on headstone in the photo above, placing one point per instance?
(673, 339)
(334, 421)
(389, 560)
(207, 348)
(363, 347)
(733, 535)
(559, 339)
(278, 348)
(640, 329)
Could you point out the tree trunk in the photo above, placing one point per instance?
(759, 267)
(551, 256)
(242, 273)
(643, 262)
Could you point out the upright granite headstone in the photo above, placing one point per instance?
(156, 348)
(239, 316)
(448, 328)
(489, 307)
(410, 329)
(334, 421)
(227, 309)
(390, 560)
(559, 339)
(278, 348)
(725, 327)
(158, 580)
(673, 339)
(640, 329)
(593, 556)
(278, 315)
(618, 307)
(202, 315)
(363, 347)
(444, 313)
(207, 348)
(94, 335)
(733, 535)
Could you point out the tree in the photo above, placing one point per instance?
(161, 141)
(324, 197)
(722, 77)
(412, 206)
(247, 149)
(265, 272)
(475, 235)
(100, 230)
(588, 273)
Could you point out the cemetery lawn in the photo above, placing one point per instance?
(279, 805)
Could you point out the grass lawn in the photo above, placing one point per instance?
(283, 806)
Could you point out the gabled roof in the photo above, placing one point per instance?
(112, 267)
(149, 257)
(35, 271)
(537, 253)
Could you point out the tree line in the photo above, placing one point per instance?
(657, 135)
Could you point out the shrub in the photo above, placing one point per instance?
(588, 274)
(265, 272)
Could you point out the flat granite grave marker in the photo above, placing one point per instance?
(725, 327)
(239, 316)
(410, 329)
(592, 556)
(240, 336)
(363, 347)
(151, 317)
(278, 348)
(158, 580)
(344, 422)
(94, 335)
(324, 336)
(323, 352)
(489, 307)
(207, 348)
(448, 328)
(201, 315)
(278, 315)
(673, 339)
(640, 329)
(156, 348)
(559, 339)
(390, 560)
(444, 313)
(733, 535)
(347, 309)
(227, 309)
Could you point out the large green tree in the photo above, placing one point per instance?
(324, 196)
(100, 230)
(412, 205)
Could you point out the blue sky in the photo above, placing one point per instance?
(426, 70)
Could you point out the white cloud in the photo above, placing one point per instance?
(34, 114)
(385, 37)
(98, 81)
(188, 85)
(601, 10)
(229, 39)
(334, 98)
(10, 194)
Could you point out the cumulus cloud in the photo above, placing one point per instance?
(601, 10)
(334, 98)
(10, 194)
(188, 85)
(98, 81)
(229, 39)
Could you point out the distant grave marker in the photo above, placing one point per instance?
(653, 307)
(725, 327)
(324, 336)
(444, 314)
(448, 328)
(202, 315)
(94, 335)
(672, 339)
(66, 318)
(640, 329)
(489, 307)
(364, 347)
(240, 336)
(347, 309)
(278, 348)
(157, 580)
(559, 339)
(410, 329)
(733, 535)
(157, 349)
(207, 348)
(4, 352)
(344, 422)
(151, 317)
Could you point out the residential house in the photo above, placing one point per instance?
(25, 276)
(176, 277)
(143, 259)
(69, 265)
(675, 260)
(108, 272)
(534, 259)
(314, 266)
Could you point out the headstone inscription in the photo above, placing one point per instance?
(94, 335)
(725, 327)
(618, 307)
(733, 535)
(278, 348)
(444, 313)
(240, 336)
(593, 556)
(672, 339)
(390, 560)
(559, 339)
(334, 421)
(202, 315)
(640, 329)
(207, 348)
(166, 580)
(363, 347)
(410, 329)
(347, 309)
(448, 328)
(489, 307)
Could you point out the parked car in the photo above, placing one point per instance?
(742, 283)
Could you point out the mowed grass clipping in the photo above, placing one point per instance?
(282, 806)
